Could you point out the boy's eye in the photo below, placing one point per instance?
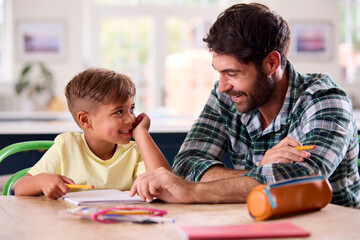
(119, 112)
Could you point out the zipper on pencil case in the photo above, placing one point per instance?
(286, 183)
(296, 180)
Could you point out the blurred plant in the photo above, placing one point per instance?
(35, 83)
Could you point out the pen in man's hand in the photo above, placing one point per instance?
(305, 147)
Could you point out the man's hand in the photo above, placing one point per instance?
(285, 152)
(165, 185)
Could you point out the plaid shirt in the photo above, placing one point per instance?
(316, 111)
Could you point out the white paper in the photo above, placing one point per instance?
(101, 197)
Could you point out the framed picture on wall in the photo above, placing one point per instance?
(41, 40)
(311, 40)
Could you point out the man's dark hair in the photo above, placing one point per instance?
(249, 32)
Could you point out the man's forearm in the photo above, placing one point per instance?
(219, 172)
(229, 190)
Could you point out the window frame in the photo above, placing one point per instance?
(159, 14)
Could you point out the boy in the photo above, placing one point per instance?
(102, 104)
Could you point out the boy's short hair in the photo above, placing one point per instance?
(97, 86)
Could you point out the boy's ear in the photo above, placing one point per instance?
(84, 119)
(272, 62)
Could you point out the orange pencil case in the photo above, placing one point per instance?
(289, 197)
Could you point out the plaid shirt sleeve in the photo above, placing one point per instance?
(325, 119)
(326, 122)
(205, 144)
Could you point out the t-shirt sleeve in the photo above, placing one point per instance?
(49, 163)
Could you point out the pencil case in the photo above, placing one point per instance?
(289, 197)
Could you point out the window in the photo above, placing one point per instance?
(158, 43)
(349, 49)
(126, 46)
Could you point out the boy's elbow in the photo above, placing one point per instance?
(19, 190)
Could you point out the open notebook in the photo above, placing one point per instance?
(101, 197)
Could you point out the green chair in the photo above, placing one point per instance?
(21, 147)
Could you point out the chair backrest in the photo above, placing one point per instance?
(21, 147)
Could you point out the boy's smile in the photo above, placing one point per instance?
(125, 133)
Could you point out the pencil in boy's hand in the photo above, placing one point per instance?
(305, 147)
(79, 186)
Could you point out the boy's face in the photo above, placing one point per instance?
(113, 122)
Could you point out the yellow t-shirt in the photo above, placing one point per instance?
(70, 156)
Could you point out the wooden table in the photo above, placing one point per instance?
(38, 218)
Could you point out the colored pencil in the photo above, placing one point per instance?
(305, 147)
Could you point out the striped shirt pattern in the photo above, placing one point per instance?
(316, 111)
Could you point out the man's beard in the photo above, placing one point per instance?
(258, 96)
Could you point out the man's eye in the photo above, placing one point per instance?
(232, 74)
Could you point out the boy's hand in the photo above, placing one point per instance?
(53, 185)
(141, 124)
(285, 152)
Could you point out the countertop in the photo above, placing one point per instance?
(58, 122)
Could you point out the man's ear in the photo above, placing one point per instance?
(272, 62)
(84, 119)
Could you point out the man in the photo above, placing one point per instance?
(258, 112)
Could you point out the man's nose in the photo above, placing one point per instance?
(224, 84)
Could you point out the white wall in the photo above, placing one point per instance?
(319, 10)
(71, 13)
(307, 11)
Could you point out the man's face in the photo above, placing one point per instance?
(248, 87)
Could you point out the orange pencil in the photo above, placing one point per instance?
(305, 147)
(80, 186)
